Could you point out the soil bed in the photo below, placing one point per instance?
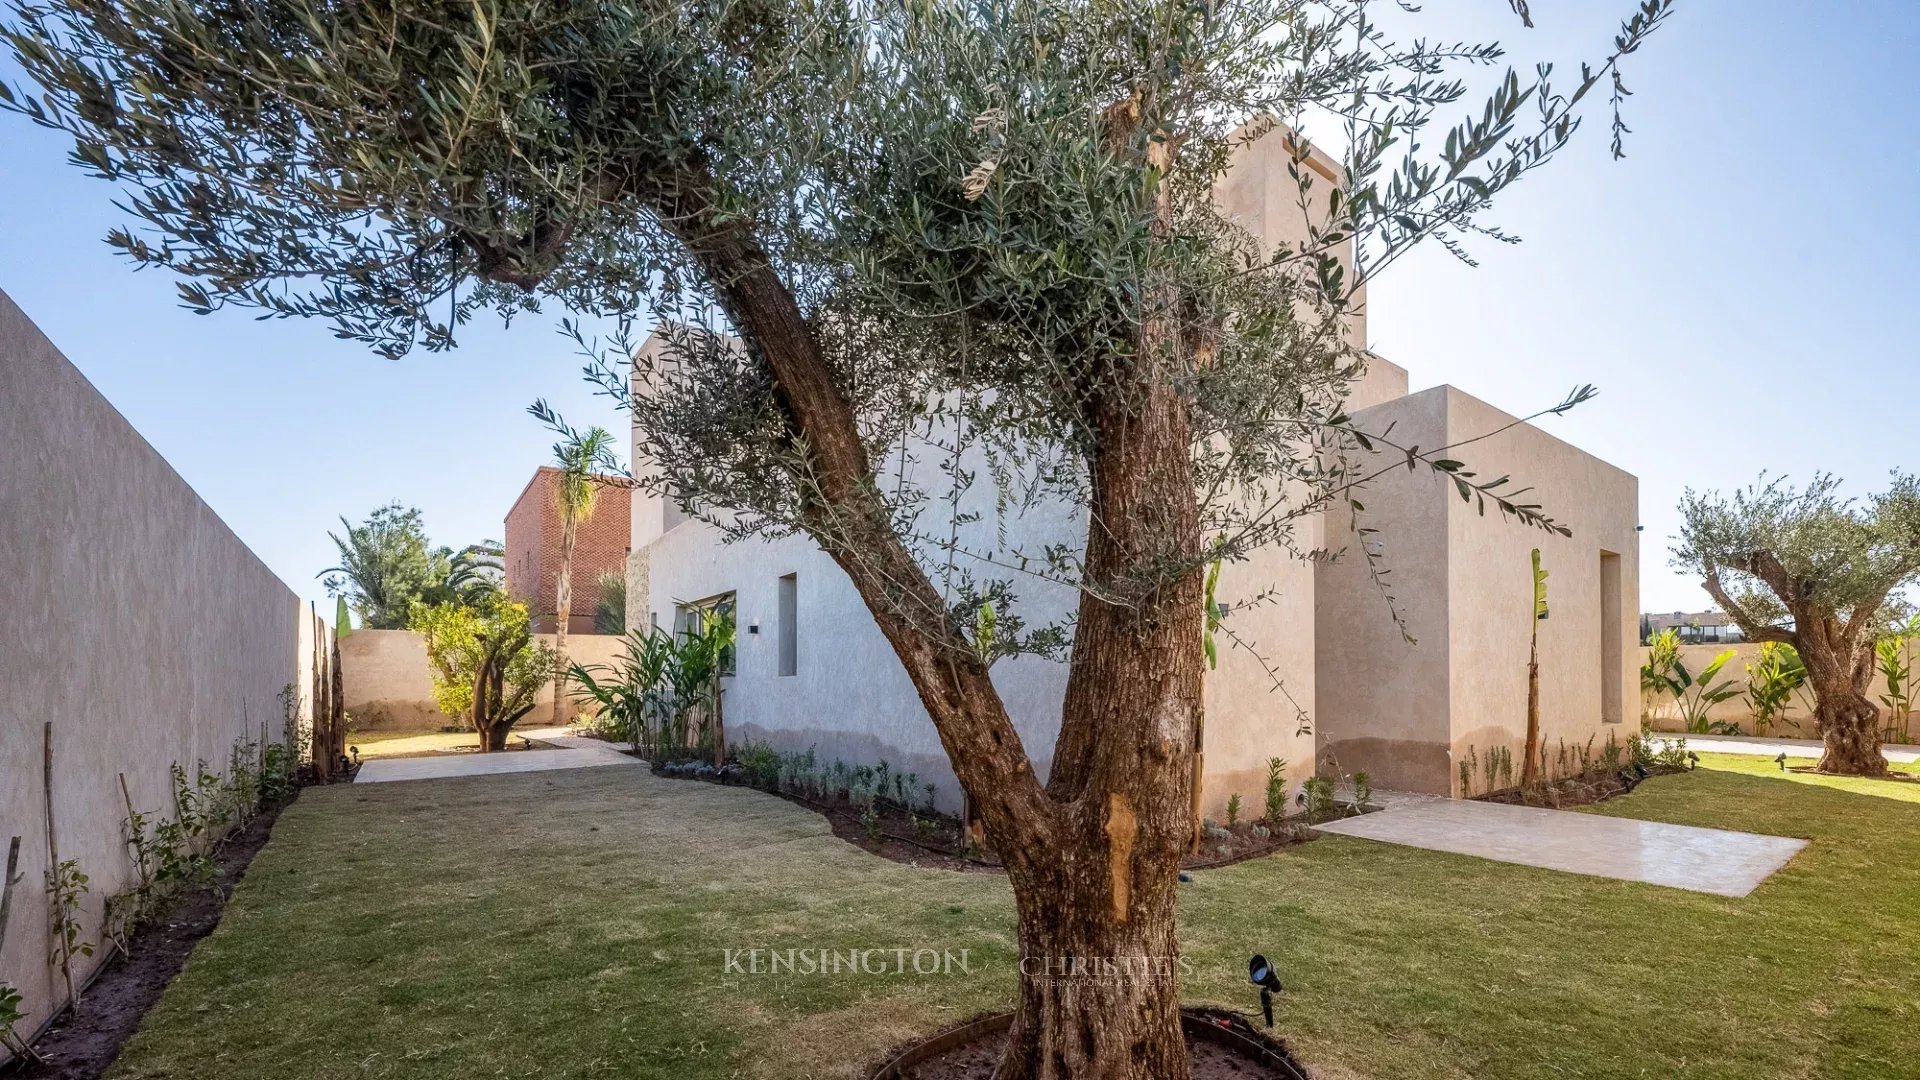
(1220, 1046)
(82, 1043)
(922, 837)
(1574, 790)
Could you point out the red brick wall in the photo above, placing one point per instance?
(533, 550)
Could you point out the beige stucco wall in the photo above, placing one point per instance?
(1383, 699)
(136, 622)
(1406, 712)
(1265, 675)
(387, 684)
(1491, 577)
(1259, 193)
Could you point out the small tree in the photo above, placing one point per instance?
(487, 668)
(1808, 568)
(610, 603)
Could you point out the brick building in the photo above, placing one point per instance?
(533, 550)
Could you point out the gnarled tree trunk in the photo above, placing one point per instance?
(1100, 963)
(493, 736)
(1849, 723)
(1838, 655)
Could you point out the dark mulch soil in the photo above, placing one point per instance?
(923, 838)
(83, 1042)
(977, 1058)
(1573, 790)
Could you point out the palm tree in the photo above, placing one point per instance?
(385, 565)
(581, 457)
(475, 572)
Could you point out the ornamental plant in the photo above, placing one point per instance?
(486, 667)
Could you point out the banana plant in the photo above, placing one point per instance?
(1893, 656)
(1771, 684)
(1213, 615)
(1530, 762)
(1696, 695)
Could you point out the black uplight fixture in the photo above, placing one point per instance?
(1260, 973)
(1781, 761)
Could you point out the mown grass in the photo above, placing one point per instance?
(417, 742)
(572, 925)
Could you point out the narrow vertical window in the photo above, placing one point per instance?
(1612, 671)
(789, 631)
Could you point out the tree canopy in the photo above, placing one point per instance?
(1772, 552)
(486, 666)
(386, 563)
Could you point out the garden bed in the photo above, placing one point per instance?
(1220, 1046)
(920, 836)
(82, 1043)
(1573, 791)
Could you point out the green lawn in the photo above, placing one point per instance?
(572, 925)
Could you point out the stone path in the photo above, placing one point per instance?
(1681, 856)
(574, 753)
(1747, 744)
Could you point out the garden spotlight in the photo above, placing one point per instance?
(1260, 973)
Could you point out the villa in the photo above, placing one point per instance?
(1328, 678)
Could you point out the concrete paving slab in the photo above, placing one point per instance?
(1680, 856)
(442, 766)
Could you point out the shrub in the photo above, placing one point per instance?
(1276, 789)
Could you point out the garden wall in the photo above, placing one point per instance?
(1663, 716)
(135, 621)
(387, 685)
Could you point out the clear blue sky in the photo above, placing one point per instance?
(1739, 288)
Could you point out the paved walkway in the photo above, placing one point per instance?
(574, 753)
(1747, 744)
(1681, 856)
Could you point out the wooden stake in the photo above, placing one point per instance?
(128, 798)
(6, 886)
(53, 868)
(13, 1043)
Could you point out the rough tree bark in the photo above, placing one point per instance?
(1838, 655)
(1093, 858)
(563, 612)
(1839, 669)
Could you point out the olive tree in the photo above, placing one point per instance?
(487, 668)
(985, 234)
(1816, 571)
